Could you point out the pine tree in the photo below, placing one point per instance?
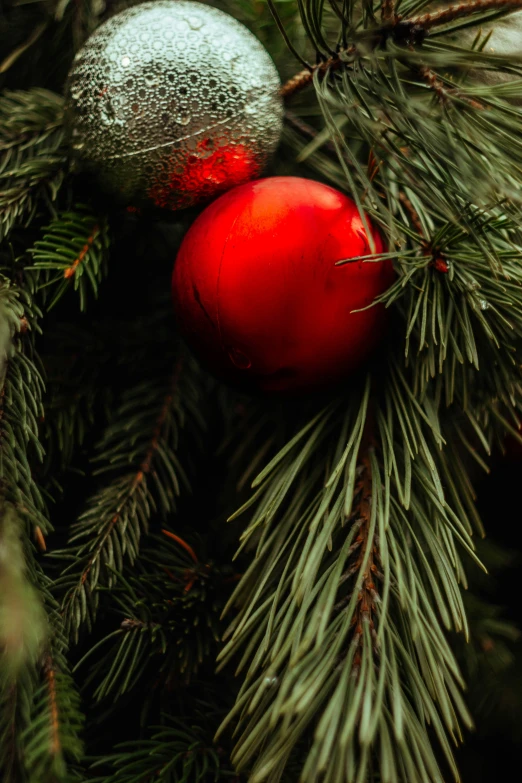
(200, 585)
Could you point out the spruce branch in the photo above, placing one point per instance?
(145, 477)
(167, 620)
(32, 154)
(22, 619)
(52, 736)
(20, 406)
(40, 718)
(74, 247)
(178, 752)
(41, 721)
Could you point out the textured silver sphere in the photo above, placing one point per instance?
(172, 102)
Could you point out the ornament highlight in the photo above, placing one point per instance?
(172, 102)
(258, 294)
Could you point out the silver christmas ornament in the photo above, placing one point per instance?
(171, 102)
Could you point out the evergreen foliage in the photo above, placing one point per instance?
(32, 154)
(175, 753)
(143, 476)
(74, 246)
(40, 718)
(355, 613)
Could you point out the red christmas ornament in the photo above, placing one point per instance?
(258, 293)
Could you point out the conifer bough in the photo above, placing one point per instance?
(349, 626)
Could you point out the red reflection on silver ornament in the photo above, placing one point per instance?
(207, 171)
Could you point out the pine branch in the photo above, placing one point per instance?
(32, 154)
(145, 477)
(328, 654)
(365, 563)
(396, 27)
(74, 246)
(459, 314)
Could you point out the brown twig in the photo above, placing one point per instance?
(305, 77)
(387, 10)
(182, 543)
(40, 539)
(53, 706)
(367, 596)
(444, 93)
(70, 271)
(445, 15)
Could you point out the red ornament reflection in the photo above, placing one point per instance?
(207, 171)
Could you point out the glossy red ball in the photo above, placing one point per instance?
(259, 296)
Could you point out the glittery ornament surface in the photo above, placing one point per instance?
(172, 102)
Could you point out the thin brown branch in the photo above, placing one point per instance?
(40, 539)
(459, 11)
(388, 10)
(70, 271)
(365, 609)
(53, 706)
(443, 93)
(305, 77)
(182, 543)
